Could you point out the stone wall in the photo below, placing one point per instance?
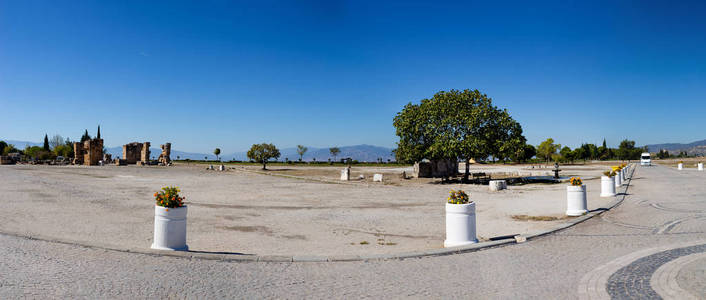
(93, 152)
(78, 154)
(145, 153)
(442, 168)
(131, 152)
(6, 160)
(88, 153)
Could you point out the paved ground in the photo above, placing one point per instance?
(241, 211)
(666, 210)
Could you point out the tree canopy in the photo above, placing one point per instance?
(547, 149)
(85, 136)
(46, 143)
(301, 150)
(456, 124)
(262, 153)
(334, 152)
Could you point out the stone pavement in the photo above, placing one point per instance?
(651, 243)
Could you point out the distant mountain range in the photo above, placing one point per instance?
(363, 153)
(695, 148)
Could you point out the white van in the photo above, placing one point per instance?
(645, 159)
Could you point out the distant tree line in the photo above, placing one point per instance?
(51, 148)
(549, 151)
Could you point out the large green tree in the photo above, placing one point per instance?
(626, 150)
(547, 149)
(262, 153)
(528, 151)
(456, 124)
(566, 154)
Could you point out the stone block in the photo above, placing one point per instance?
(377, 178)
(346, 174)
(497, 185)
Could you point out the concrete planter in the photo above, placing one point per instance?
(618, 180)
(170, 228)
(680, 166)
(460, 224)
(700, 166)
(576, 200)
(607, 186)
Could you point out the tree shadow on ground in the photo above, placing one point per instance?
(457, 181)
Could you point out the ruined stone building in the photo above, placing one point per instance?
(164, 158)
(136, 153)
(88, 153)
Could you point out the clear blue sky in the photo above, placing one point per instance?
(219, 74)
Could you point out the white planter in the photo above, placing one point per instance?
(700, 166)
(618, 180)
(576, 200)
(680, 166)
(607, 186)
(460, 224)
(170, 228)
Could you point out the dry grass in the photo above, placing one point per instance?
(534, 218)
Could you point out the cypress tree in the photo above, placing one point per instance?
(85, 136)
(99, 132)
(46, 143)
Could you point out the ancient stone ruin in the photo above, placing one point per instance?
(136, 153)
(6, 160)
(443, 168)
(88, 153)
(164, 157)
(139, 154)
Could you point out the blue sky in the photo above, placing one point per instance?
(229, 74)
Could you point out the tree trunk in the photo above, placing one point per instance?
(467, 173)
(264, 165)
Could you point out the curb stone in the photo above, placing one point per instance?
(335, 258)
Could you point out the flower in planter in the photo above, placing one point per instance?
(169, 197)
(458, 197)
(576, 181)
(616, 169)
(609, 173)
